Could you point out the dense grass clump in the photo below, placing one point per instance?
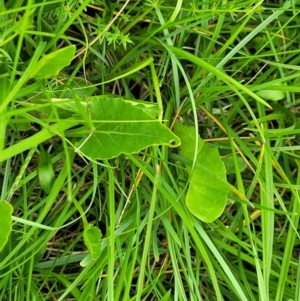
(75, 167)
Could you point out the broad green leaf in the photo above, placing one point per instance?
(51, 64)
(188, 140)
(208, 188)
(229, 164)
(122, 128)
(4, 91)
(274, 95)
(206, 198)
(67, 107)
(45, 171)
(88, 259)
(78, 86)
(91, 236)
(6, 210)
(148, 107)
(24, 126)
(70, 104)
(167, 296)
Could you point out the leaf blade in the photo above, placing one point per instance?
(207, 196)
(52, 63)
(92, 236)
(6, 210)
(121, 128)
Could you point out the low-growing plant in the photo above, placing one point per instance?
(149, 150)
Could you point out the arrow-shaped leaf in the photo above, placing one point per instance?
(122, 128)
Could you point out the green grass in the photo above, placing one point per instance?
(202, 63)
